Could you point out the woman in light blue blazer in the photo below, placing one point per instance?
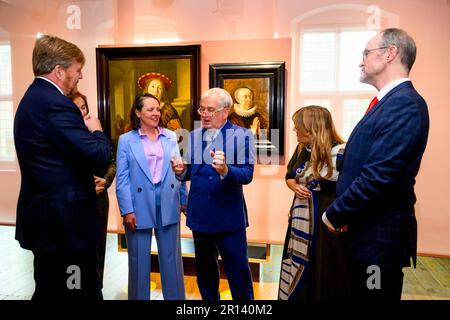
(148, 197)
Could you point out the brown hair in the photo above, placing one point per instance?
(50, 51)
(317, 121)
(75, 94)
(135, 122)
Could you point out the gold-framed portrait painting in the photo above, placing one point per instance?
(258, 92)
(171, 73)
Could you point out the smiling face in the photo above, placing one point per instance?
(149, 114)
(214, 117)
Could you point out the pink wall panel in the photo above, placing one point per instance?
(250, 30)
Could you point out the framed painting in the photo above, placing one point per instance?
(258, 92)
(171, 73)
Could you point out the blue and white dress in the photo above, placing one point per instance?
(313, 262)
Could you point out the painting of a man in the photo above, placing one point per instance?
(247, 114)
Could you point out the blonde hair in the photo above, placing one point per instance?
(77, 94)
(317, 122)
(50, 51)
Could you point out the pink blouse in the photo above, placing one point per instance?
(154, 153)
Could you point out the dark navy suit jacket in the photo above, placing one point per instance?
(58, 156)
(217, 205)
(375, 188)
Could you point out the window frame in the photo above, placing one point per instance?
(8, 164)
(335, 96)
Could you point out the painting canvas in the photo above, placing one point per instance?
(171, 73)
(258, 92)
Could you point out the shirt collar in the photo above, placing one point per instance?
(216, 131)
(391, 85)
(48, 80)
(160, 132)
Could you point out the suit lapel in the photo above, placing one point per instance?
(165, 142)
(197, 148)
(377, 106)
(139, 155)
(219, 142)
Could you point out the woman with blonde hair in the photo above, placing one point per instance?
(313, 262)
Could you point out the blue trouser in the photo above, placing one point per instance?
(169, 256)
(232, 247)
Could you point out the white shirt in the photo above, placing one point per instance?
(381, 94)
(213, 136)
(391, 85)
(209, 137)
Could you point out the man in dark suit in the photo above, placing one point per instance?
(58, 153)
(375, 190)
(220, 162)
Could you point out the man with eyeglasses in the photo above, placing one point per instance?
(219, 162)
(375, 189)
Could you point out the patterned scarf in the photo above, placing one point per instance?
(305, 219)
(304, 216)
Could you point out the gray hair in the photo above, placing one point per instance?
(404, 43)
(225, 100)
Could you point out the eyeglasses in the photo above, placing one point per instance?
(366, 52)
(208, 112)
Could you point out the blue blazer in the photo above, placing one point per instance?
(375, 188)
(134, 186)
(217, 205)
(58, 157)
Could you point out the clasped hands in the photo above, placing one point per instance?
(304, 193)
(100, 184)
(218, 163)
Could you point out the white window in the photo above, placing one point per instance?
(5, 70)
(317, 102)
(352, 43)
(318, 61)
(7, 153)
(353, 111)
(330, 60)
(329, 74)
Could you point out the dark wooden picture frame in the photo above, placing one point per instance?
(120, 68)
(266, 81)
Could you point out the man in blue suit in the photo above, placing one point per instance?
(375, 190)
(220, 162)
(58, 153)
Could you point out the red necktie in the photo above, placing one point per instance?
(372, 103)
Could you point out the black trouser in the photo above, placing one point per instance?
(102, 209)
(366, 286)
(66, 275)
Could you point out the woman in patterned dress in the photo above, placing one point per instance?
(313, 262)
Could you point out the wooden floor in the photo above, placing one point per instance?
(429, 281)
